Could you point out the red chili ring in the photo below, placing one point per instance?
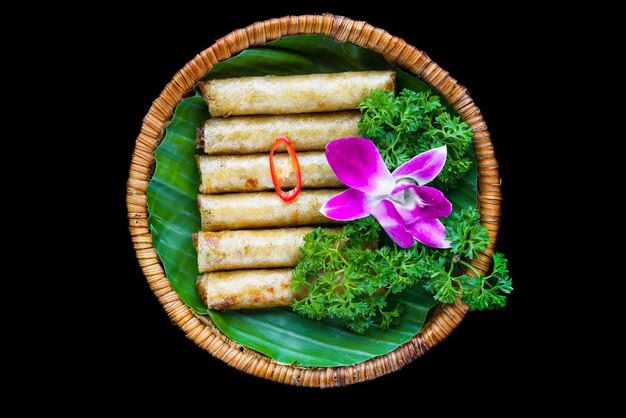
(293, 193)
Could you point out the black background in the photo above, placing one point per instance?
(138, 347)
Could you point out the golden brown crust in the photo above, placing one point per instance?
(194, 237)
(250, 173)
(262, 210)
(257, 133)
(201, 289)
(200, 137)
(246, 289)
(203, 85)
(273, 95)
(249, 248)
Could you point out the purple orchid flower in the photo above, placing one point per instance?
(406, 209)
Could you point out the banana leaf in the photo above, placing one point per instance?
(278, 333)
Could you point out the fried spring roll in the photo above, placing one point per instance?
(245, 289)
(275, 95)
(250, 134)
(249, 173)
(262, 209)
(249, 249)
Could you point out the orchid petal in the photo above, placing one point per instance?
(348, 205)
(414, 202)
(386, 214)
(424, 167)
(429, 232)
(358, 164)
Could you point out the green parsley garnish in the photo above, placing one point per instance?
(350, 274)
(413, 122)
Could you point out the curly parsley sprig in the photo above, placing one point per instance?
(413, 122)
(347, 274)
(480, 292)
(344, 275)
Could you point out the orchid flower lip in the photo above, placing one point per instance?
(405, 208)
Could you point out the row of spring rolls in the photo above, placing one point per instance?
(245, 264)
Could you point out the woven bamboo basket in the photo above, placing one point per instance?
(201, 329)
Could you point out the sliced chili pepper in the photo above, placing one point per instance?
(295, 165)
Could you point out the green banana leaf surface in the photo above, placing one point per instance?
(278, 333)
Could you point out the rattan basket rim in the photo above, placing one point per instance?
(201, 329)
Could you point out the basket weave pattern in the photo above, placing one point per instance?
(201, 329)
